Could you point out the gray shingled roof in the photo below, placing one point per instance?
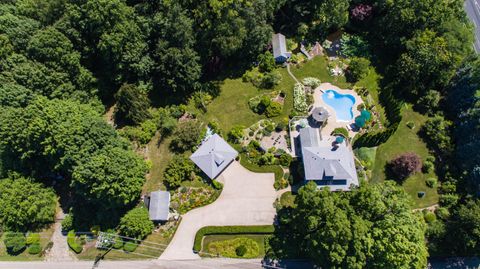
(213, 156)
(158, 205)
(309, 137)
(279, 45)
(321, 162)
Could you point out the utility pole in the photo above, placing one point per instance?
(103, 242)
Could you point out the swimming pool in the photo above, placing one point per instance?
(341, 103)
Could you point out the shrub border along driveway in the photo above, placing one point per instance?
(224, 230)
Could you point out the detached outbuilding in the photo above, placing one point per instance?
(213, 156)
(279, 45)
(158, 204)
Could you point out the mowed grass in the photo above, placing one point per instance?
(160, 155)
(230, 108)
(318, 68)
(407, 140)
(258, 238)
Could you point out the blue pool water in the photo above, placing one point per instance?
(341, 103)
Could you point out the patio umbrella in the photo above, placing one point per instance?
(366, 114)
(360, 121)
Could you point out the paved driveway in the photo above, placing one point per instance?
(247, 199)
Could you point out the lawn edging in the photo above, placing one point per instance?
(211, 230)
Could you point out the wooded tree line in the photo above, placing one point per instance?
(62, 61)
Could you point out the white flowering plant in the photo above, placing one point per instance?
(299, 98)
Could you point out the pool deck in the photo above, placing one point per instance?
(332, 120)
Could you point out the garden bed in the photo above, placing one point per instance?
(185, 199)
(229, 230)
(225, 245)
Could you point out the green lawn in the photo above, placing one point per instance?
(258, 238)
(318, 68)
(45, 236)
(406, 140)
(231, 107)
(160, 155)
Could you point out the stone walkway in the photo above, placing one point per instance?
(291, 74)
(60, 251)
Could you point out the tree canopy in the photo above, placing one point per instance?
(370, 227)
(25, 204)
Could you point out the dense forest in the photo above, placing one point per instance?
(64, 63)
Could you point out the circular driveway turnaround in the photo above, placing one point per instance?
(247, 199)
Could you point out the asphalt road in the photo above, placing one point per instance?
(158, 264)
(472, 7)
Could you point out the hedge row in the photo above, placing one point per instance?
(72, 243)
(375, 138)
(393, 111)
(210, 230)
(276, 169)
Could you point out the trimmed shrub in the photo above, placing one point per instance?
(209, 230)
(236, 134)
(442, 213)
(117, 242)
(130, 246)
(67, 223)
(427, 167)
(33, 238)
(431, 182)
(15, 243)
(241, 250)
(274, 109)
(34, 249)
(429, 217)
(72, 242)
(217, 185)
(285, 159)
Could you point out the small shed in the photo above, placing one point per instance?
(279, 45)
(320, 115)
(213, 156)
(158, 204)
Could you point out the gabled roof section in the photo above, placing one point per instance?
(323, 163)
(213, 156)
(309, 137)
(279, 45)
(159, 205)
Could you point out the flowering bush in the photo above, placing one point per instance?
(311, 82)
(299, 98)
(362, 12)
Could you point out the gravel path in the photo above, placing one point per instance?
(60, 251)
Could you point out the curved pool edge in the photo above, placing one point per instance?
(339, 106)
